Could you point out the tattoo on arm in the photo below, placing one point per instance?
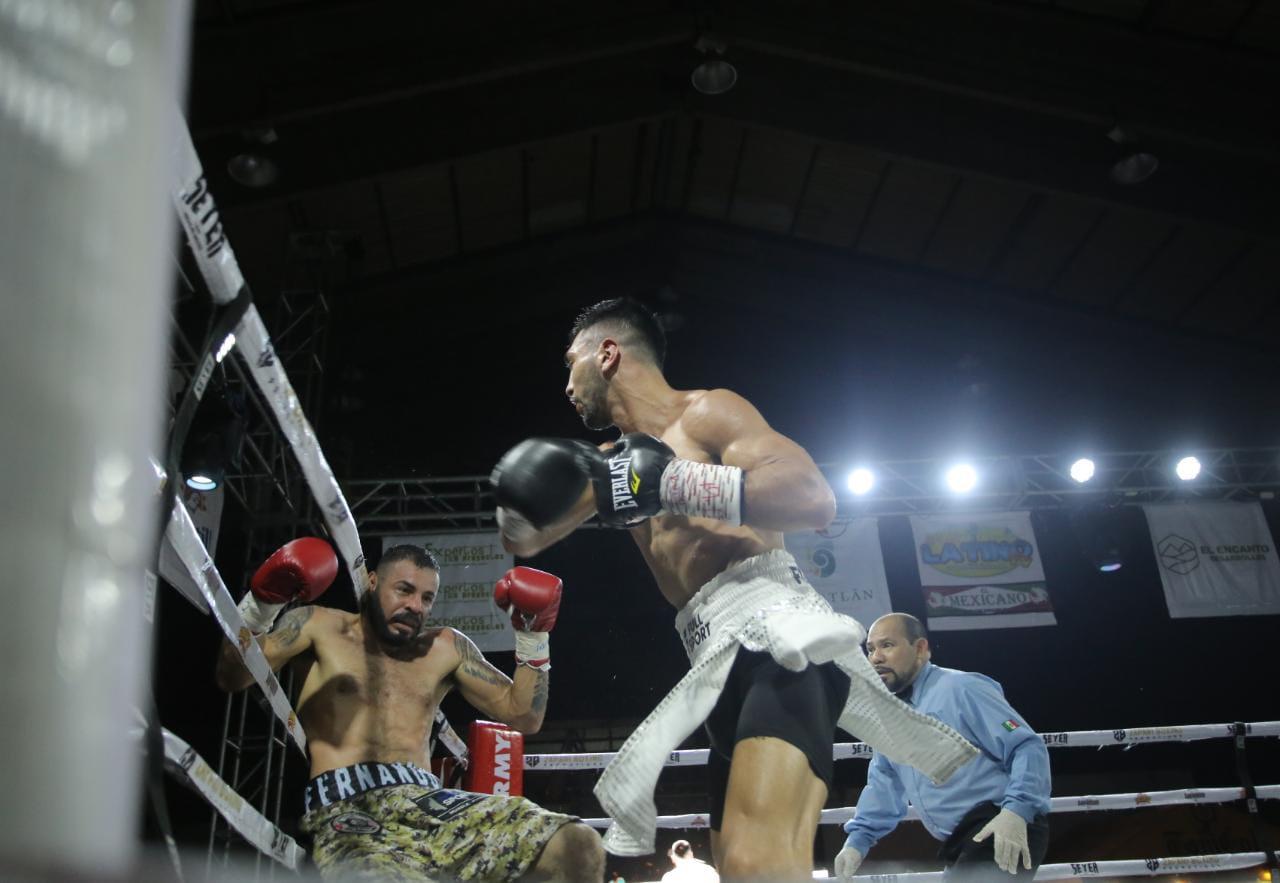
(289, 628)
(541, 689)
(477, 666)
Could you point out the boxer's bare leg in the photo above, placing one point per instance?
(574, 854)
(772, 807)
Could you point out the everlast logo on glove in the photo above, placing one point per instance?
(624, 491)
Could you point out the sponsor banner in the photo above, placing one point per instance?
(981, 571)
(470, 563)
(845, 565)
(1215, 559)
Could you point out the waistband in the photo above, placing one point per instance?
(775, 564)
(348, 781)
(740, 593)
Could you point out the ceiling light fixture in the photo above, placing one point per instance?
(714, 76)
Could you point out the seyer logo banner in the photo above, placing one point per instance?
(981, 571)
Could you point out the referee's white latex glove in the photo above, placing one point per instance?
(847, 861)
(1010, 830)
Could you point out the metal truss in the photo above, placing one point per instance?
(1043, 481)
(414, 505)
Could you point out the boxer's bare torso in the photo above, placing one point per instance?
(685, 553)
(362, 701)
(357, 702)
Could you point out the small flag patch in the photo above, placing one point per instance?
(1011, 725)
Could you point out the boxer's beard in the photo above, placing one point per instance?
(382, 628)
(592, 394)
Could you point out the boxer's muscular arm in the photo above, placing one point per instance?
(520, 704)
(292, 635)
(782, 487)
(527, 543)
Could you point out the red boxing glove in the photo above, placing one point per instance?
(531, 596)
(301, 569)
(533, 599)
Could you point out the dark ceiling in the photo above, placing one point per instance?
(905, 200)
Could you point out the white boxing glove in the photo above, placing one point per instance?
(847, 862)
(1010, 831)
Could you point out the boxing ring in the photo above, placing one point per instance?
(197, 578)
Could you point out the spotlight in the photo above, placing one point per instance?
(1132, 165)
(201, 482)
(1134, 168)
(861, 481)
(1097, 533)
(253, 170)
(962, 478)
(1188, 468)
(714, 76)
(213, 440)
(1082, 470)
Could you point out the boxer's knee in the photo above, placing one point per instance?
(574, 854)
(756, 859)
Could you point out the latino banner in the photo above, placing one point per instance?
(981, 571)
(470, 563)
(844, 564)
(1216, 559)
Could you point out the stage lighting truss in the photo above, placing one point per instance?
(399, 505)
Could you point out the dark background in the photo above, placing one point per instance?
(896, 235)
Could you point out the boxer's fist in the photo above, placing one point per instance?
(301, 569)
(532, 597)
(627, 479)
(541, 479)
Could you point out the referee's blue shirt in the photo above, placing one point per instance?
(1011, 769)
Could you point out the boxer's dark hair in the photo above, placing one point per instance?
(420, 556)
(629, 320)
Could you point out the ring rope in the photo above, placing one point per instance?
(238, 812)
(1090, 803)
(860, 750)
(214, 256)
(1140, 867)
(217, 262)
(200, 567)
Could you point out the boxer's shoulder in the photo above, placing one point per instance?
(713, 417)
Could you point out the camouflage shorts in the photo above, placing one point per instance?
(411, 832)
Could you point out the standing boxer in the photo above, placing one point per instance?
(371, 684)
(707, 488)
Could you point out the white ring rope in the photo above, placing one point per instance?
(217, 262)
(1139, 867)
(251, 824)
(218, 265)
(1136, 800)
(860, 750)
(181, 533)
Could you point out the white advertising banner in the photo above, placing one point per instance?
(981, 571)
(844, 564)
(470, 563)
(1215, 559)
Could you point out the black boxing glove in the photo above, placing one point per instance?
(641, 477)
(538, 481)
